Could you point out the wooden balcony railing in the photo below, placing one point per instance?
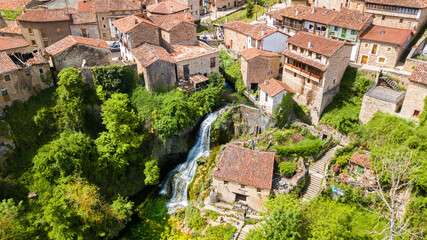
(303, 71)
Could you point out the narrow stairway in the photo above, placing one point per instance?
(317, 173)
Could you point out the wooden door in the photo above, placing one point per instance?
(374, 49)
(186, 71)
(84, 32)
(364, 60)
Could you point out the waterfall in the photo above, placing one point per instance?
(177, 181)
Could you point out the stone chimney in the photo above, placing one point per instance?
(263, 32)
(310, 45)
(171, 8)
(297, 12)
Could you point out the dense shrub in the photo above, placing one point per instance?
(423, 116)
(194, 220)
(231, 71)
(220, 232)
(304, 148)
(287, 168)
(114, 78)
(282, 113)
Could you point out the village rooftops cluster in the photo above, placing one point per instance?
(273, 87)
(46, 15)
(246, 166)
(387, 34)
(71, 41)
(10, 43)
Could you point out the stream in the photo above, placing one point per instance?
(177, 181)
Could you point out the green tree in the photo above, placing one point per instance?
(250, 9)
(283, 112)
(151, 172)
(10, 219)
(423, 116)
(216, 79)
(114, 78)
(70, 105)
(206, 100)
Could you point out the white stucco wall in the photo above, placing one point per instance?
(272, 102)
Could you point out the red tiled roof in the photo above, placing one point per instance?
(246, 166)
(402, 3)
(321, 45)
(296, 12)
(83, 17)
(168, 22)
(148, 54)
(198, 78)
(386, 34)
(8, 43)
(13, 5)
(321, 15)
(71, 41)
(254, 31)
(250, 53)
(37, 59)
(273, 87)
(167, 7)
(12, 29)
(351, 19)
(86, 6)
(361, 160)
(185, 52)
(117, 5)
(128, 23)
(420, 74)
(6, 64)
(46, 15)
(305, 60)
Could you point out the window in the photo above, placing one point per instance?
(389, 49)
(102, 18)
(308, 80)
(104, 35)
(33, 42)
(213, 62)
(266, 97)
(58, 30)
(416, 114)
(295, 74)
(334, 81)
(4, 93)
(44, 33)
(46, 43)
(41, 71)
(336, 29)
(6, 78)
(258, 190)
(30, 31)
(242, 186)
(353, 32)
(318, 56)
(294, 48)
(374, 49)
(383, 18)
(366, 45)
(381, 60)
(104, 26)
(225, 182)
(191, 7)
(401, 20)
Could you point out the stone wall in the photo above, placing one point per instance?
(185, 33)
(159, 75)
(400, 20)
(51, 32)
(323, 130)
(144, 33)
(411, 63)
(372, 105)
(414, 100)
(197, 65)
(91, 30)
(259, 69)
(390, 52)
(74, 56)
(235, 40)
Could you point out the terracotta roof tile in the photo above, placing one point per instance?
(148, 54)
(198, 78)
(88, 6)
(402, 3)
(361, 159)
(168, 22)
(246, 166)
(116, 5)
(13, 5)
(70, 41)
(321, 15)
(250, 53)
(8, 43)
(321, 45)
(167, 7)
(12, 29)
(296, 12)
(273, 87)
(420, 74)
(83, 17)
(37, 59)
(305, 60)
(386, 34)
(46, 15)
(6, 64)
(128, 23)
(351, 19)
(185, 52)
(254, 31)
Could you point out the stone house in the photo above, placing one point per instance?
(413, 104)
(258, 66)
(107, 11)
(408, 14)
(74, 51)
(84, 24)
(239, 36)
(178, 28)
(271, 93)
(157, 66)
(133, 31)
(243, 176)
(341, 4)
(289, 20)
(383, 46)
(195, 7)
(313, 68)
(11, 31)
(318, 21)
(43, 27)
(13, 45)
(191, 60)
(383, 96)
(20, 79)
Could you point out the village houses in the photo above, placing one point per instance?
(243, 175)
(313, 68)
(413, 104)
(239, 36)
(271, 93)
(289, 19)
(84, 24)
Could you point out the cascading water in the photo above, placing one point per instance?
(178, 179)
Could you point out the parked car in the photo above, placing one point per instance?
(115, 46)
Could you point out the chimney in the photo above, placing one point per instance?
(263, 32)
(310, 45)
(265, 82)
(136, 22)
(297, 12)
(313, 10)
(171, 8)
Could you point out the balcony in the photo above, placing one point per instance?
(303, 72)
(391, 13)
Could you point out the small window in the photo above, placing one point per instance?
(337, 28)
(416, 114)
(318, 56)
(104, 26)
(295, 74)
(353, 32)
(225, 182)
(46, 43)
(44, 33)
(366, 45)
(389, 49)
(6, 78)
(266, 97)
(242, 186)
(381, 60)
(213, 62)
(33, 42)
(401, 20)
(294, 48)
(58, 30)
(258, 190)
(191, 7)
(103, 18)
(41, 71)
(4, 93)
(334, 81)
(104, 35)
(30, 31)
(383, 18)
(308, 80)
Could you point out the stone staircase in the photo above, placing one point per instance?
(317, 173)
(245, 230)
